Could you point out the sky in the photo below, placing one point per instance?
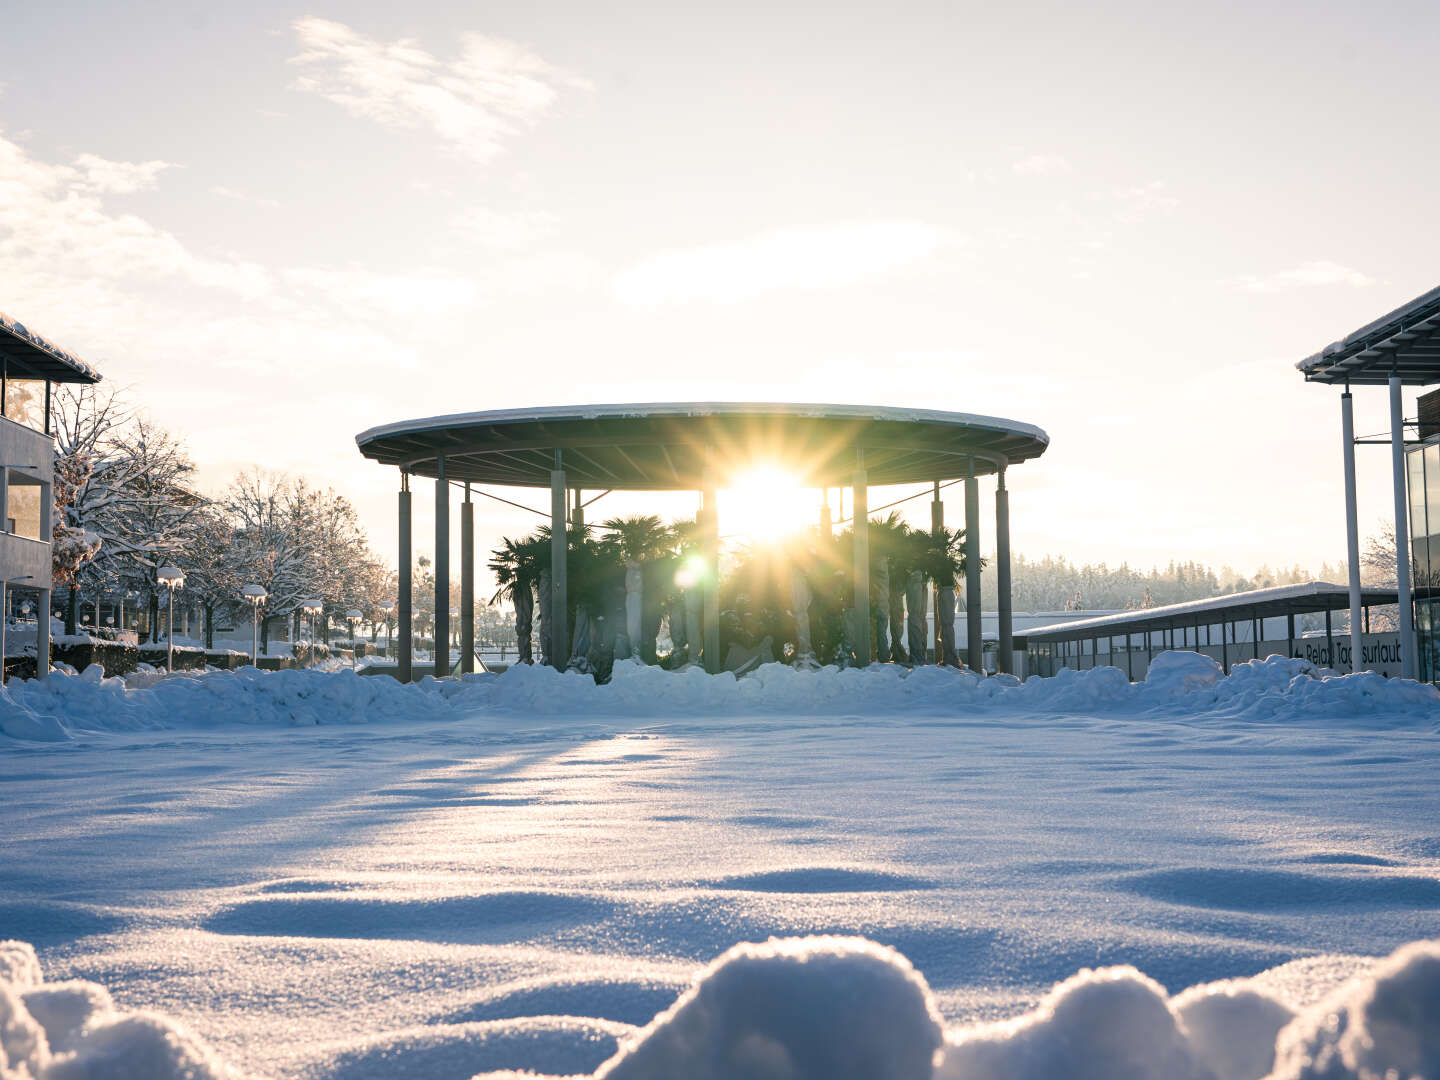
(281, 225)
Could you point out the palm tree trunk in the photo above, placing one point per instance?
(692, 626)
(634, 607)
(897, 625)
(917, 598)
(880, 607)
(580, 643)
(800, 606)
(524, 601)
(946, 614)
(543, 616)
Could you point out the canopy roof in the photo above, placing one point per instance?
(1258, 603)
(663, 446)
(31, 355)
(1405, 342)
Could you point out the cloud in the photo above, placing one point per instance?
(493, 90)
(504, 231)
(1142, 201)
(1307, 275)
(118, 177)
(1041, 165)
(816, 257)
(240, 196)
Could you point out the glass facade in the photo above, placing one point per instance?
(1423, 466)
(22, 399)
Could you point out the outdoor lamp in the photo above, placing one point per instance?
(255, 595)
(172, 577)
(312, 608)
(388, 607)
(353, 616)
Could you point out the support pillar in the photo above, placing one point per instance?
(861, 503)
(442, 570)
(1352, 526)
(557, 611)
(937, 530)
(42, 632)
(467, 583)
(1129, 660)
(974, 626)
(1290, 634)
(1402, 530)
(1333, 662)
(827, 527)
(406, 657)
(712, 658)
(1004, 593)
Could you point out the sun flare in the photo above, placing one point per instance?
(765, 503)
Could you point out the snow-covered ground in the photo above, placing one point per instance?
(317, 874)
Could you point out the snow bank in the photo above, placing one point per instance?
(845, 1009)
(1179, 683)
(1384, 1025)
(72, 1031)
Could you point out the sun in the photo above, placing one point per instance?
(765, 503)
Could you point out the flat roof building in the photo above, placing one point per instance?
(30, 367)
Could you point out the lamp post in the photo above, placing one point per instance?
(254, 595)
(388, 607)
(353, 616)
(312, 608)
(172, 578)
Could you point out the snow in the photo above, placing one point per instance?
(310, 874)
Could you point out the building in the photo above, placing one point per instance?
(30, 367)
(1396, 350)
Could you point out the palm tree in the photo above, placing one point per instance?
(887, 541)
(636, 541)
(516, 566)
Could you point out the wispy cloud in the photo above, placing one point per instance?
(1143, 200)
(493, 90)
(1041, 165)
(816, 257)
(504, 231)
(239, 196)
(117, 177)
(1307, 275)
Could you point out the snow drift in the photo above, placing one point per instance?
(846, 1009)
(1179, 683)
(73, 1031)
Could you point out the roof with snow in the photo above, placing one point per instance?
(1405, 342)
(1302, 599)
(663, 446)
(39, 357)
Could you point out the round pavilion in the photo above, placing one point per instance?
(699, 447)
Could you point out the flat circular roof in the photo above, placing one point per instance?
(664, 446)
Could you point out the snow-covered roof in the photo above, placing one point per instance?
(41, 357)
(1299, 599)
(1406, 341)
(663, 445)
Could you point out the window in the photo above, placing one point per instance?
(23, 506)
(25, 401)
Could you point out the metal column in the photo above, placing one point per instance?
(442, 570)
(1330, 642)
(1290, 634)
(937, 530)
(713, 662)
(1129, 659)
(860, 502)
(1002, 577)
(405, 670)
(557, 611)
(42, 632)
(974, 627)
(1352, 527)
(467, 583)
(1402, 530)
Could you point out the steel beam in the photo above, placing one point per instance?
(467, 584)
(1352, 526)
(442, 570)
(406, 655)
(1402, 530)
(861, 527)
(557, 611)
(1005, 597)
(974, 626)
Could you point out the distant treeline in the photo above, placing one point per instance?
(1056, 584)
